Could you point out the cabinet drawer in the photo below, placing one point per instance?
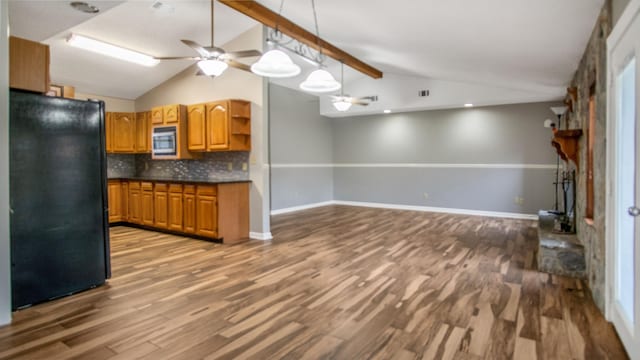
(175, 188)
(134, 185)
(146, 186)
(189, 189)
(207, 190)
(161, 187)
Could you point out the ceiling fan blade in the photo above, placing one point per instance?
(197, 47)
(359, 102)
(238, 65)
(243, 53)
(179, 58)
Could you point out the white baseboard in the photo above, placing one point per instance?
(498, 214)
(302, 207)
(260, 236)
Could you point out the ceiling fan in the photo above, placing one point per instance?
(343, 102)
(213, 60)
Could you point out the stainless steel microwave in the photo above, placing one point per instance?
(164, 141)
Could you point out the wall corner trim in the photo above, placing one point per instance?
(260, 236)
(410, 208)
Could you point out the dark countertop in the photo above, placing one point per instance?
(180, 179)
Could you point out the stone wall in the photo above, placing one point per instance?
(592, 71)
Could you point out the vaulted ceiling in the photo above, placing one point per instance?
(529, 48)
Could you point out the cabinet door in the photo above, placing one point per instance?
(160, 213)
(156, 115)
(28, 65)
(108, 132)
(115, 201)
(135, 206)
(196, 135)
(217, 126)
(124, 129)
(189, 208)
(142, 132)
(206, 216)
(148, 135)
(175, 211)
(147, 208)
(171, 114)
(124, 200)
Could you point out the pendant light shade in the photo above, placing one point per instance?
(212, 67)
(320, 81)
(276, 64)
(342, 104)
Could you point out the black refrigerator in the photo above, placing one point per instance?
(58, 191)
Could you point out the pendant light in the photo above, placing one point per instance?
(319, 80)
(342, 103)
(276, 63)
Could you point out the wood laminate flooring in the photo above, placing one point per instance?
(336, 282)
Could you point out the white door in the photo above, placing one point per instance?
(623, 169)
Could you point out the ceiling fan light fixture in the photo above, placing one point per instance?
(212, 67)
(342, 104)
(114, 51)
(276, 64)
(320, 81)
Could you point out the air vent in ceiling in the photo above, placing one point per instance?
(423, 93)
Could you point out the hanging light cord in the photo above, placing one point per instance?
(315, 19)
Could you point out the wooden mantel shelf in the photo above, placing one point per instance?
(566, 144)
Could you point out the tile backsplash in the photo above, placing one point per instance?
(211, 166)
(121, 165)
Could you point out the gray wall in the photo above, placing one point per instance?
(5, 267)
(300, 140)
(476, 158)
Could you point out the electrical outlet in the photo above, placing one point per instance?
(245, 167)
(426, 196)
(230, 166)
(519, 200)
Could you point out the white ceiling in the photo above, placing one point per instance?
(532, 47)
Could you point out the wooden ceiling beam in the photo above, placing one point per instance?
(271, 19)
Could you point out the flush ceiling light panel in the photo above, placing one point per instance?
(84, 7)
(114, 51)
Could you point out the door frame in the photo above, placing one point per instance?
(630, 13)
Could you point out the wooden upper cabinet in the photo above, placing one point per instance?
(171, 114)
(166, 115)
(217, 125)
(28, 65)
(143, 132)
(239, 125)
(196, 127)
(108, 132)
(123, 132)
(157, 115)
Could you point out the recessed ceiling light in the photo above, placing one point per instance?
(468, 105)
(387, 111)
(84, 7)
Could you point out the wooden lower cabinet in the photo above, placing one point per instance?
(189, 209)
(160, 210)
(114, 199)
(147, 203)
(124, 196)
(206, 208)
(135, 203)
(217, 211)
(175, 207)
